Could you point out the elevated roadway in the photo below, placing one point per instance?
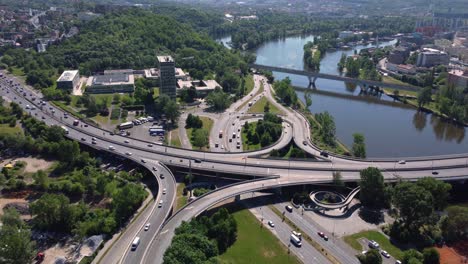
(286, 172)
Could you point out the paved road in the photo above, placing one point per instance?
(343, 255)
(306, 253)
(290, 172)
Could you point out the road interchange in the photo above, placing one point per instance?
(277, 172)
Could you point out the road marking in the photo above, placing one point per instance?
(188, 208)
(164, 232)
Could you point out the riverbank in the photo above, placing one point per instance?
(411, 99)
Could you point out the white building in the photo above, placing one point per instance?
(432, 57)
(68, 80)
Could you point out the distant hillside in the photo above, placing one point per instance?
(132, 39)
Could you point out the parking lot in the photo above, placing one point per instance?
(141, 132)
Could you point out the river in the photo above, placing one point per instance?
(390, 128)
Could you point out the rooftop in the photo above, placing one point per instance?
(67, 76)
(165, 58)
(111, 79)
(459, 73)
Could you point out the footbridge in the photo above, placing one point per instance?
(313, 76)
(332, 206)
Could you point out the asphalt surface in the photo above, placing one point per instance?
(289, 172)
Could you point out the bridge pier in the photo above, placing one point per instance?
(312, 81)
(237, 198)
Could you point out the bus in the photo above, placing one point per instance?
(126, 125)
(135, 243)
(65, 129)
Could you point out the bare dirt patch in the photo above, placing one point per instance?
(20, 204)
(32, 164)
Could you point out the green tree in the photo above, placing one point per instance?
(410, 255)
(199, 138)
(431, 256)
(52, 212)
(171, 110)
(439, 190)
(414, 203)
(359, 146)
(266, 108)
(424, 96)
(455, 223)
(218, 100)
(308, 100)
(372, 188)
(126, 200)
(327, 127)
(16, 246)
(41, 180)
(371, 257)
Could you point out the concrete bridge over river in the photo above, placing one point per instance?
(313, 76)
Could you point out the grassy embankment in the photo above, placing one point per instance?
(259, 107)
(207, 125)
(255, 244)
(175, 140)
(181, 200)
(260, 90)
(353, 241)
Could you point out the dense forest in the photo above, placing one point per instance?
(273, 25)
(128, 39)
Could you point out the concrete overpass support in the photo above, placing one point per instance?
(237, 198)
(312, 80)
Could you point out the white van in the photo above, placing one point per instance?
(135, 243)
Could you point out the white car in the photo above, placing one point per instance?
(270, 223)
(164, 191)
(160, 203)
(126, 141)
(147, 226)
(402, 162)
(128, 153)
(385, 254)
(111, 148)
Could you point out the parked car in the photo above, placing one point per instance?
(270, 223)
(385, 254)
(289, 208)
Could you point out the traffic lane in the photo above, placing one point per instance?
(306, 252)
(382, 165)
(156, 219)
(311, 229)
(423, 164)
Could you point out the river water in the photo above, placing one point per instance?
(390, 128)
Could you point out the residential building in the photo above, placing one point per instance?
(458, 78)
(111, 83)
(167, 74)
(432, 57)
(68, 80)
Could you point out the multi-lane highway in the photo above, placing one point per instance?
(286, 172)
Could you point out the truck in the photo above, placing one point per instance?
(295, 240)
(135, 243)
(65, 129)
